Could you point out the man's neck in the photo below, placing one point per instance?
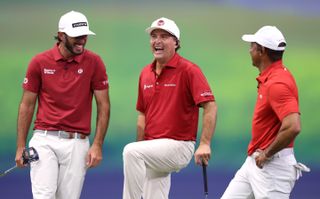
(66, 54)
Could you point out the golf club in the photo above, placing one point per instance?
(205, 180)
(28, 155)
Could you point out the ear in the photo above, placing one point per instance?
(177, 43)
(61, 36)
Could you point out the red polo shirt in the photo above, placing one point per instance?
(65, 89)
(170, 101)
(277, 98)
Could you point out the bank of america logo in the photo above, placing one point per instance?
(49, 71)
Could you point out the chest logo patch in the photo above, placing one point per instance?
(169, 85)
(207, 93)
(147, 86)
(49, 71)
(260, 96)
(80, 71)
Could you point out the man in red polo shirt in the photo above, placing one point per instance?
(270, 169)
(64, 80)
(171, 90)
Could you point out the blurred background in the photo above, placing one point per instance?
(211, 33)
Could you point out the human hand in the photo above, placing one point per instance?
(202, 154)
(94, 156)
(261, 158)
(18, 158)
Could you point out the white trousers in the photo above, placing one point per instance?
(148, 166)
(274, 181)
(60, 171)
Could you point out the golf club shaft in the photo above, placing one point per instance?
(7, 171)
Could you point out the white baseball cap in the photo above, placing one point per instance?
(165, 24)
(267, 36)
(74, 24)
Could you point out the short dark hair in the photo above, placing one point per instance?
(56, 37)
(274, 55)
(178, 44)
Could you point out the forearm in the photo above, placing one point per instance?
(203, 154)
(283, 139)
(102, 123)
(209, 123)
(140, 127)
(289, 129)
(25, 115)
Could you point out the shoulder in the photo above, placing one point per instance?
(146, 69)
(281, 75)
(44, 55)
(188, 66)
(88, 54)
(281, 82)
(93, 59)
(186, 63)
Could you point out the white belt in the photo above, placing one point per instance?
(287, 152)
(299, 166)
(284, 152)
(62, 134)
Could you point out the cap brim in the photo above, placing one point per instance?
(150, 29)
(77, 34)
(249, 38)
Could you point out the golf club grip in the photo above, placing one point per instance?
(205, 178)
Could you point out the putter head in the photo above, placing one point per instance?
(29, 155)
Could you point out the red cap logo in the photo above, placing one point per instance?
(160, 23)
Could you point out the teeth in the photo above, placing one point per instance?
(158, 48)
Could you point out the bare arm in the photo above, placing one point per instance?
(203, 153)
(103, 115)
(141, 122)
(289, 129)
(25, 114)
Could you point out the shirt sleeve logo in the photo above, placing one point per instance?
(206, 93)
(105, 82)
(25, 80)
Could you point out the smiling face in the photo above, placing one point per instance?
(163, 45)
(72, 46)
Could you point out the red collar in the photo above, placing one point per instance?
(263, 76)
(57, 55)
(172, 63)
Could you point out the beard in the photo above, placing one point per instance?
(72, 48)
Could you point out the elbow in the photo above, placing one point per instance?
(296, 129)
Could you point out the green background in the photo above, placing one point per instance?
(210, 36)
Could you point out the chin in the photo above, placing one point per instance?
(77, 52)
(156, 56)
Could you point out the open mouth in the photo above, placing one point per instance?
(78, 46)
(157, 48)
